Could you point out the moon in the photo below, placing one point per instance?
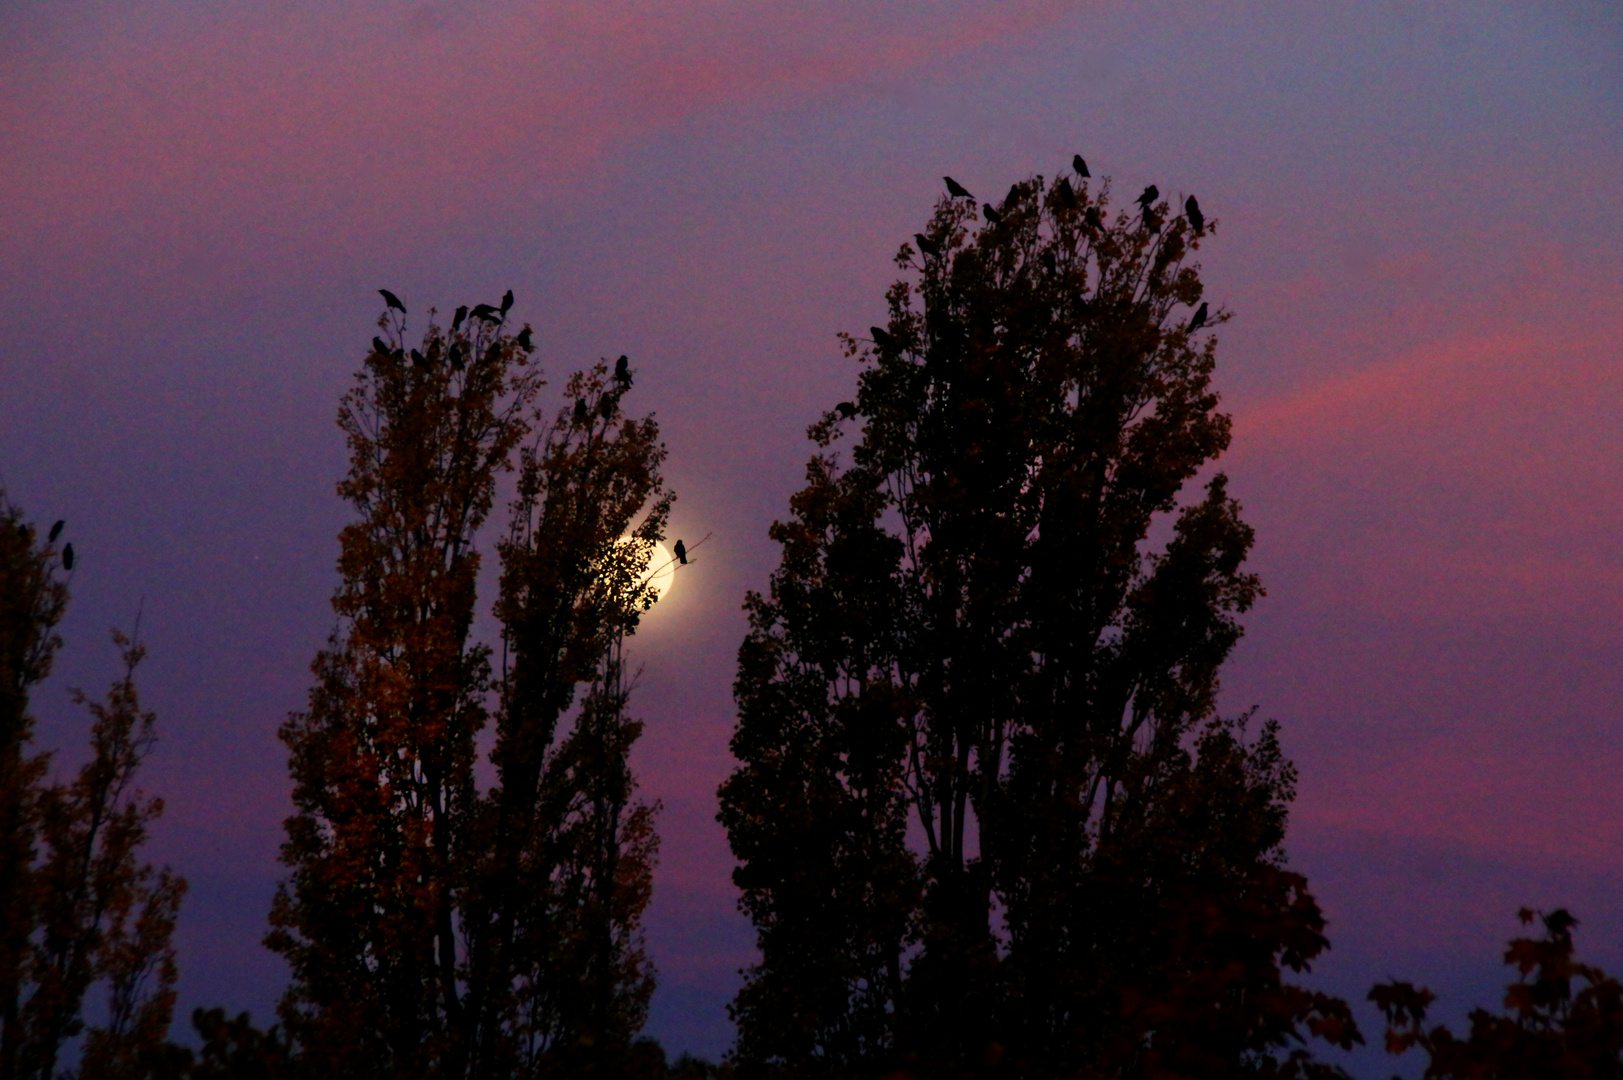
(661, 573)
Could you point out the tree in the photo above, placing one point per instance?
(79, 908)
(1563, 1019)
(433, 929)
(997, 630)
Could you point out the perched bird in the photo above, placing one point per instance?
(485, 312)
(1065, 193)
(846, 410)
(456, 320)
(1080, 166)
(67, 556)
(56, 531)
(1191, 210)
(523, 338)
(1199, 319)
(991, 215)
(507, 301)
(1047, 259)
(926, 245)
(416, 358)
(1152, 220)
(880, 338)
(681, 550)
(392, 300)
(580, 410)
(380, 347)
(1151, 193)
(1014, 197)
(957, 190)
(605, 405)
(1091, 215)
(622, 372)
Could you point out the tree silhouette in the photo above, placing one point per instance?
(997, 629)
(77, 908)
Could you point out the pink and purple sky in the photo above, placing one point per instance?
(1421, 210)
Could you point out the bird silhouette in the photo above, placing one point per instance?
(523, 339)
(1151, 193)
(485, 312)
(392, 300)
(622, 373)
(1047, 259)
(1014, 198)
(926, 245)
(1191, 210)
(1065, 193)
(380, 347)
(1091, 215)
(991, 215)
(56, 531)
(681, 550)
(580, 410)
(880, 338)
(1199, 319)
(605, 405)
(1152, 220)
(507, 301)
(1079, 166)
(67, 556)
(456, 320)
(416, 358)
(957, 190)
(846, 410)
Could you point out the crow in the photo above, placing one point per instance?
(56, 531)
(67, 556)
(392, 300)
(1080, 166)
(1013, 197)
(507, 301)
(1151, 193)
(926, 245)
(1092, 217)
(1199, 319)
(846, 410)
(681, 550)
(456, 320)
(957, 190)
(622, 373)
(580, 410)
(485, 312)
(880, 338)
(1065, 193)
(1191, 210)
(991, 215)
(416, 358)
(1152, 220)
(379, 347)
(523, 338)
(605, 405)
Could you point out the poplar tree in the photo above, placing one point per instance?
(986, 814)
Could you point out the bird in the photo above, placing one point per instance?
(991, 215)
(1014, 197)
(957, 190)
(880, 338)
(485, 312)
(1199, 319)
(1080, 166)
(1065, 193)
(1047, 259)
(67, 556)
(1093, 218)
(1151, 193)
(392, 300)
(605, 405)
(523, 338)
(416, 358)
(456, 320)
(1152, 220)
(56, 531)
(1191, 210)
(580, 410)
(622, 372)
(681, 550)
(846, 410)
(926, 245)
(379, 346)
(507, 301)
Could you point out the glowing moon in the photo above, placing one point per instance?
(661, 572)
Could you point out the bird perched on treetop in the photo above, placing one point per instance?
(67, 556)
(1151, 193)
(681, 550)
(580, 410)
(1191, 210)
(507, 301)
(880, 338)
(456, 320)
(957, 190)
(846, 410)
(991, 215)
(1079, 166)
(1199, 319)
(926, 245)
(1065, 193)
(1091, 216)
(416, 358)
(380, 347)
(523, 338)
(622, 372)
(485, 312)
(605, 405)
(56, 531)
(392, 300)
